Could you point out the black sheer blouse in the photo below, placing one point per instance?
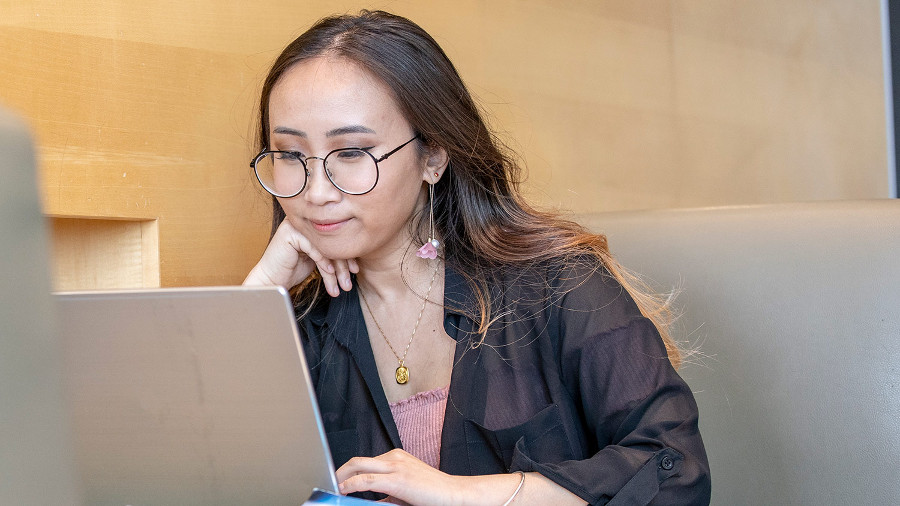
(571, 382)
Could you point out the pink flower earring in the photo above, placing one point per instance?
(429, 249)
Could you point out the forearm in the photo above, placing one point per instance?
(496, 489)
(402, 476)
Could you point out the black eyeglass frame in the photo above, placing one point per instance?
(303, 161)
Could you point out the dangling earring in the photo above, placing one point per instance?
(429, 249)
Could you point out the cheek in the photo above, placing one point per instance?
(290, 207)
(403, 180)
(392, 209)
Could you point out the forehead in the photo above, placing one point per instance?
(328, 92)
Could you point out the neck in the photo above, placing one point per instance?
(396, 278)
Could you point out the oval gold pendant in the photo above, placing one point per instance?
(402, 375)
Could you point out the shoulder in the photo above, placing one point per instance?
(570, 292)
(585, 284)
(577, 288)
(592, 310)
(598, 328)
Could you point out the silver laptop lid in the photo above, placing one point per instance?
(191, 396)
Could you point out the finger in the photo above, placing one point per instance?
(393, 500)
(299, 242)
(326, 269)
(342, 272)
(324, 265)
(359, 465)
(330, 282)
(368, 482)
(353, 265)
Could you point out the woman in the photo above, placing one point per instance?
(465, 348)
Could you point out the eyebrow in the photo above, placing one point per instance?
(352, 129)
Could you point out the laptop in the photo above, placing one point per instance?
(35, 461)
(192, 396)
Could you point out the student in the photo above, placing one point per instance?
(465, 348)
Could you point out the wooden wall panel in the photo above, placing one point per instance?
(142, 131)
(143, 110)
(625, 105)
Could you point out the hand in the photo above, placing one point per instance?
(406, 479)
(290, 257)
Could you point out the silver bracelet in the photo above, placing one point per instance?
(513, 496)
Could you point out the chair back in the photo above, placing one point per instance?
(795, 312)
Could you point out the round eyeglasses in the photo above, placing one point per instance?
(353, 171)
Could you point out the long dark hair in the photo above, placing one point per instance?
(485, 226)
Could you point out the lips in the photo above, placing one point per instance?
(328, 225)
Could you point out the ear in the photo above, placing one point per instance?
(436, 161)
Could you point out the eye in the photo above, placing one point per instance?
(350, 155)
(289, 156)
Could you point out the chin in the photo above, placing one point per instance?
(337, 249)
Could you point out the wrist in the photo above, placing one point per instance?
(491, 490)
(257, 277)
(518, 488)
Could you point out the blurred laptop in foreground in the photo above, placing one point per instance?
(36, 464)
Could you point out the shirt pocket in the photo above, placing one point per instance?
(344, 445)
(542, 438)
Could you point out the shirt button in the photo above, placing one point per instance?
(667, 463)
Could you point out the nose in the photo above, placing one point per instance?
(319, 189)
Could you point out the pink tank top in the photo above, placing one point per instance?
(419, 420)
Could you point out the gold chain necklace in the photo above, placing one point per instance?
(402, 372)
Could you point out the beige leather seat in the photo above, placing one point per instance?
(796, 313)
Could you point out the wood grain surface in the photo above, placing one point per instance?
(144, 110)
